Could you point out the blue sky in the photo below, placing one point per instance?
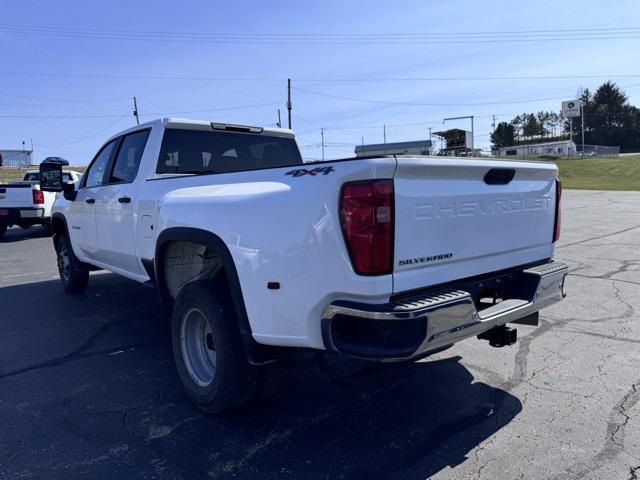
(95, 107)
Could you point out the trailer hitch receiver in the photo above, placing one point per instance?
(500, 336)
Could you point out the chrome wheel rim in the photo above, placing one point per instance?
(64, 263)
(198, 347)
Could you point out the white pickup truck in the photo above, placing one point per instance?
(256, 253)
(22, 203)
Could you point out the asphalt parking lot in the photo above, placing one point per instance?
(88, 387)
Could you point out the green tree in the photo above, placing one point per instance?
(553, 123)
(530, 126)
(518, 124)
(503, 135)
(542, 118)
(609, 119)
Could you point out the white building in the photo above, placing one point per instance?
(559, 147)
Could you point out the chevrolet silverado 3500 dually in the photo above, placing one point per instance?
(255, 252)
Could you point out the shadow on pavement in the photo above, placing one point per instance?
(89, 390)
(17, 234)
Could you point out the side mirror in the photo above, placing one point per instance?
(69, 191)
(50, 177)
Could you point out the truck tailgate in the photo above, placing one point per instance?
(457, 218)
(16, 195)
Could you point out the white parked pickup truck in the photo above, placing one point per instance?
(22, 203)
(256, 253)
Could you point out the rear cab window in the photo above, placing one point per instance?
(35, 177)
(202, 151)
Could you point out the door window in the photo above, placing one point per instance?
(127, 162)
(95, 174)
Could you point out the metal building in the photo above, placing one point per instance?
(417, 147)
(15, 158)
(456, 142)
(559, 147)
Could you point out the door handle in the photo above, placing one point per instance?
(90, 200)
(124, 199)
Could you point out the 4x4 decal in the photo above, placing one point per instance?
(299, 172)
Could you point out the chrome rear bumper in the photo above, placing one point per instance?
(415, 325)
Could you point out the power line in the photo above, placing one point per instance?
(381, 125)
(147, 113)
(88, 100)
(610, 33)
(87, 137)
(303, 79)
(416, 104)
(345, 34)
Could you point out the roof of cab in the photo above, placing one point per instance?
(187, 123)
(177, 122)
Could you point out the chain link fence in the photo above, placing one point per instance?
(597, 151)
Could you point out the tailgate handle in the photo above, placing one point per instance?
(499, 176)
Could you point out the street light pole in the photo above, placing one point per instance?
(582, 121)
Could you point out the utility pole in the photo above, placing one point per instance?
(493, 127)
(322, 135)
(279, 120)
(472, 135)
(582, 119)
(384, 136)
(570, 133)
(135, 110)
(289, 100)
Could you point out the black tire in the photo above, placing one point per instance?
(73, 274)
(3, 230)
(208, 349)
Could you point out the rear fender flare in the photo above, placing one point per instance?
(256, 352)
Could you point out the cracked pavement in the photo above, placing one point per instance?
(88, 388)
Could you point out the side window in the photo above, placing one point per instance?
(127, 162)
(95, 174)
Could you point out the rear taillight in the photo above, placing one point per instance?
(366, 215)
(556, 227)
(38, 197)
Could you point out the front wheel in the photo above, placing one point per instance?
(73, 275)
(208, 349)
